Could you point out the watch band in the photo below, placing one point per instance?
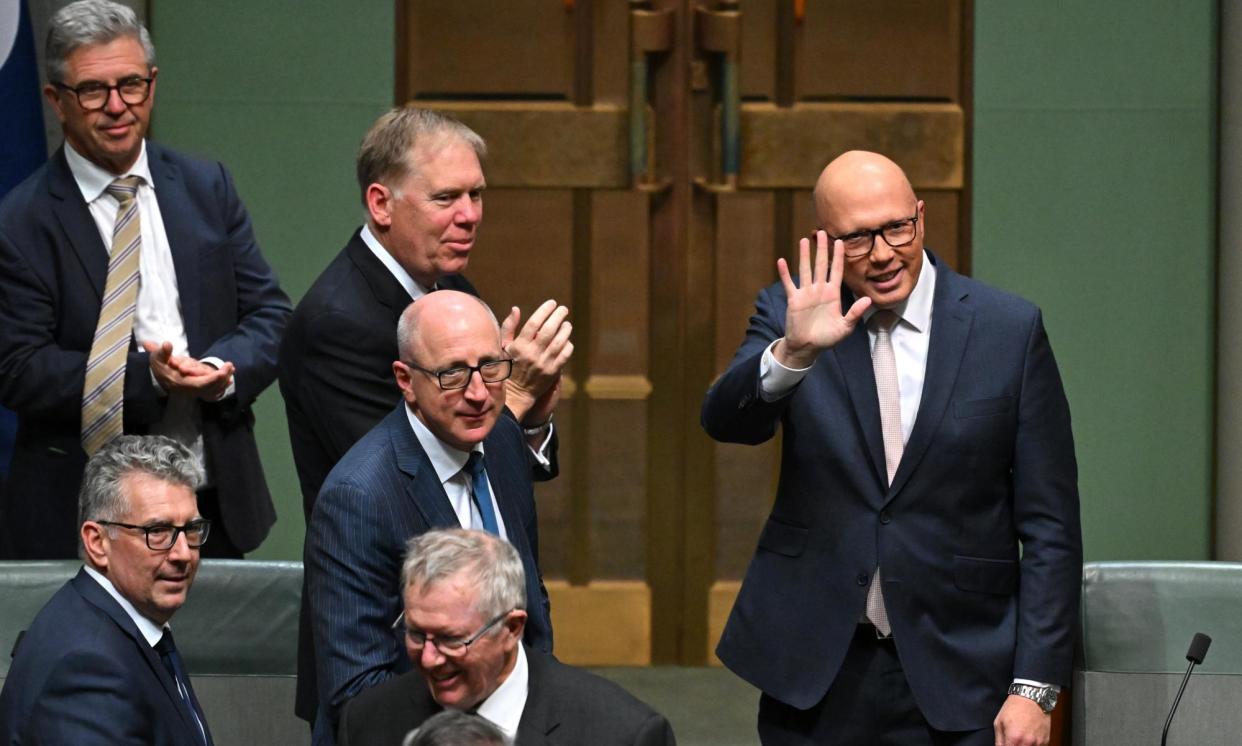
(539, 429)
(1044, 696)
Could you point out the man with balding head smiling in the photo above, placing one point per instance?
(917, 581)
(445, 457)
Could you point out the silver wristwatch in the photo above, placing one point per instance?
(1044, 696)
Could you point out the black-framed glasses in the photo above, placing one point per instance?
(93, 95)
(161, 536)
(493, 371)
(896, 234)
(449, 647)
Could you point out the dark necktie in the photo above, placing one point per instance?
(171, 659)
(481, 493)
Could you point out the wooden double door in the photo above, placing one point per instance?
(648, 163)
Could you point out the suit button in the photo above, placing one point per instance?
(885, 518)
(862, 578)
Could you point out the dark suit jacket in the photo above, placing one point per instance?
(83, 674)
(336, 360)
(382, 493)
(565, 706)
(988, 466)
(53, 265)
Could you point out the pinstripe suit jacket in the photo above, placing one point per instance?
(383, 492)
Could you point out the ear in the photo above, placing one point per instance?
(95, 542)
(515, 625)
(155, 71)
(379, 204)
(52, 94)
(405, 381)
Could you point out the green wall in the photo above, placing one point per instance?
(1093, 196)
(1094, 190)
(281, 92)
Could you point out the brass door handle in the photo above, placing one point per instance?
(720, 32)
(651, 31)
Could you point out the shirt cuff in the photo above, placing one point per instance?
(776, 381)
(541, 453)
(217, 363)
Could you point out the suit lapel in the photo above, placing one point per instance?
(424, 489)
(950, 332)
(853, 357)
(176, 210)
(538, 716)
(387, 290)
(75, 218)
(500, 467)
(94, 594)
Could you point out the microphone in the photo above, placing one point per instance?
(1198, 650)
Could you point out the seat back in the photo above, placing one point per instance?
(237, 633)
(1137, 622)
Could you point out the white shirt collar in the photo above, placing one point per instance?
(93, 180)
(445, 459)
(504, 708)
(411, 285)
(916, 309)
(151, 631)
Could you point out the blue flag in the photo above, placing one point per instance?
(22, 147)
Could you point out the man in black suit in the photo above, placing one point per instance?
(133, 298)
(465, 609)
(98, 664)
(445, 457)
(918, 579)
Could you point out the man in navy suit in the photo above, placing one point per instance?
(917, 581)
(419, 469)
(465, 608)
(98, 664)
(194, 346)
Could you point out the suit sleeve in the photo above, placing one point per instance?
(39, 376)
(1046, 511)
(655, 731)
(88, 700)
(733, 411)
(262, 308)
(352, 580)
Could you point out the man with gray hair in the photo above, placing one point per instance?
(455, 728)
(465, 607)
(133, 299)
(98, 664)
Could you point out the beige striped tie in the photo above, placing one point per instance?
(884, 362)
(104, 389)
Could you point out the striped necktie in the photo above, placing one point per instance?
(884, 363)
(104, 388)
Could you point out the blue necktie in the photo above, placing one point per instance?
(481, 493)
(171, 659)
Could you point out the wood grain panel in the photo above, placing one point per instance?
(538, 144)
(788, 147)
(894, 49)
(745, 263)
(617, 465)
(941, 232)
(758, 62)
(620, 284)
(604, 623)
(452, 50)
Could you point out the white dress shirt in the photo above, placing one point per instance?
(505, 706)
(448, 463)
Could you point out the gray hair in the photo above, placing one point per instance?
(455, 728)
(384, 155)
(407, 328)
(493, 565)
(101, 497)
(88, 22)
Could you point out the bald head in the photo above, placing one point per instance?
(439, 315)
(864, 197)
(858, 178)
